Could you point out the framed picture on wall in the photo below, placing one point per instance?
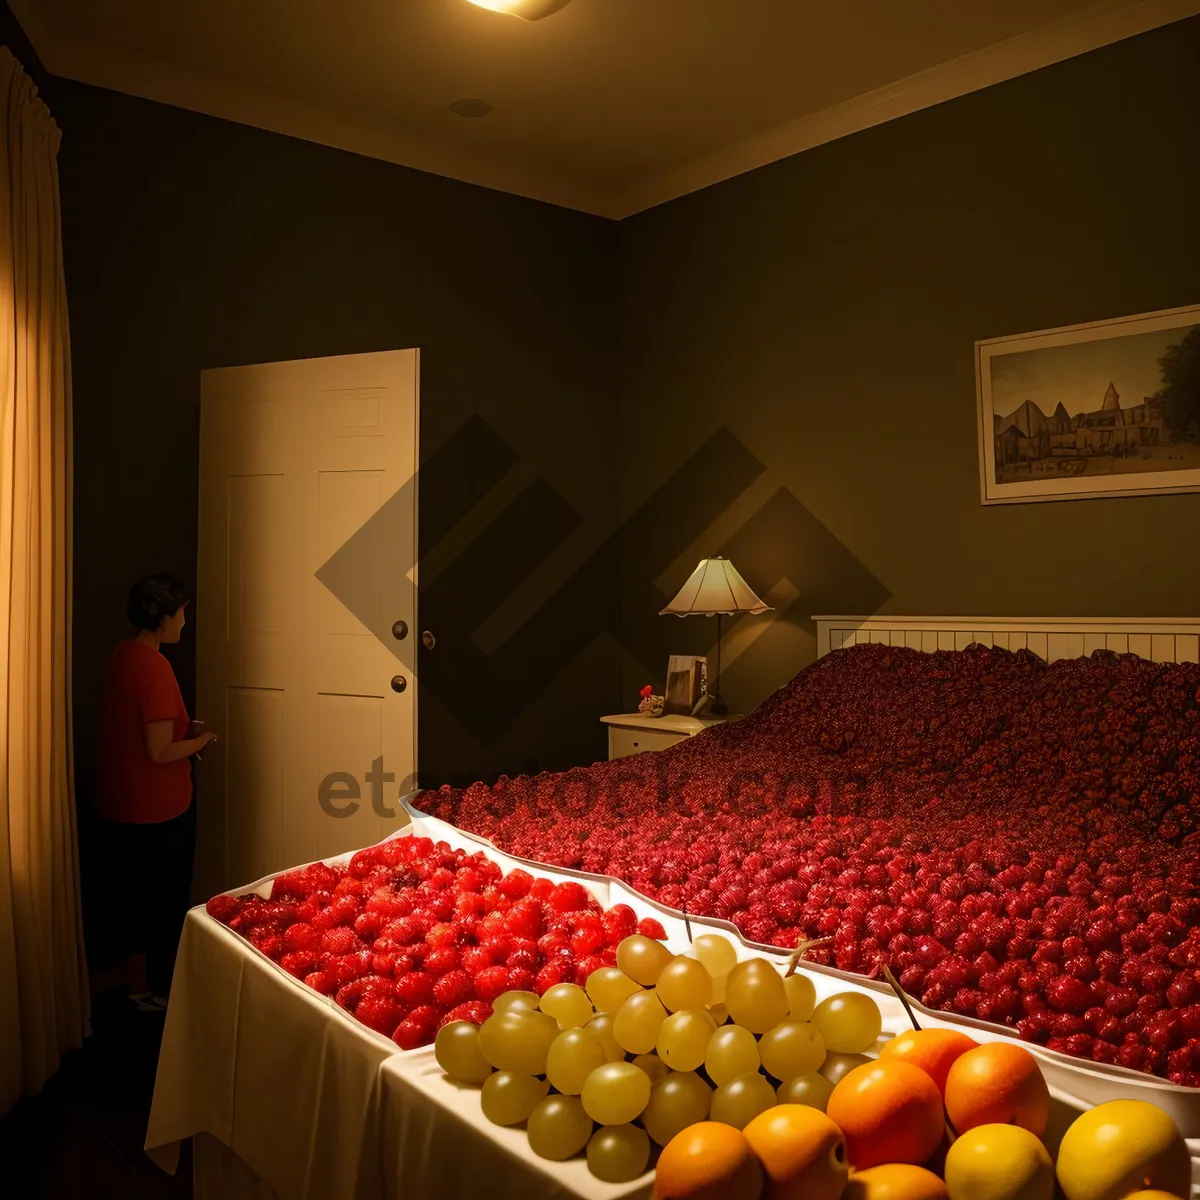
(1110, 408)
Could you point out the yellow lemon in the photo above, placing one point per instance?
(999, 1162)
(1121, 1147)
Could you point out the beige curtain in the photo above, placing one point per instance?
(43, 979)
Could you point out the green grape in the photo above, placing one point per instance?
(732, 1051)
(568, 1004)
(802, 996)
(602, 1026)
(637, 1023)
(813, 1090)
(653, 1066)
(615, 1093)
(719, 984)
(719, 1014)
(740, 1100)
(558, 1128)
(849, 1022)
(755, 995)
(526, 1001)
(573, 1056)
(618, 1153)
(457, 1052)
(677, 1101)
(716, 953)
(508, 1097)
(683, 1038)
(608, 987)
(684, 983)
(791, 1048)
(642, 959)
(516, 1041)
(837, 1066)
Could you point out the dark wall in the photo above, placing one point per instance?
(824, 310)
(192, 243)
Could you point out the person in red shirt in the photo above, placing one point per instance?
(144, 785)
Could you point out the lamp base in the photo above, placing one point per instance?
(710, 705)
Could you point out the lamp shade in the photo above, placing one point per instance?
(714, 587)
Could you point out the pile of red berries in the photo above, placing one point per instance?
(1014, 839)
(412, 935)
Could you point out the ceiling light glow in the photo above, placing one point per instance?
(529, 10)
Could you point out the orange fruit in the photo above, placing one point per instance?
(933, 1050)
(802, 1152)
(708, 1161)
(997, 1084)
(895, 1181)
(890, 1112)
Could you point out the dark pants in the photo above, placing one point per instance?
(148, 870)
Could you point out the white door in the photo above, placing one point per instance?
(303, 466)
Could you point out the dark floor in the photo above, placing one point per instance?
(82, 1137)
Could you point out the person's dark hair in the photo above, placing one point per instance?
(153, 598)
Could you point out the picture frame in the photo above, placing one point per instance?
(687, 676)
(1101, 409)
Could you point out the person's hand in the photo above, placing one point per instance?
(207, 738)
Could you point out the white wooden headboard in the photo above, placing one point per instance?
(1050, 638)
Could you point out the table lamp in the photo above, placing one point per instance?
(715, 589)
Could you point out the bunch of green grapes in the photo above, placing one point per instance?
(653, 1045)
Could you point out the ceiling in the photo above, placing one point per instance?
(608, 106)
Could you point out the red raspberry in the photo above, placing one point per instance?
(475, 1011)
(301, 937)
(453, 988)
(492, 982)
(415, 987)
(652, 928)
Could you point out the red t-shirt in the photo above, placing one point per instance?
(131, 786)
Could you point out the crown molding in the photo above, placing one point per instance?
(1105, 23)
(1108, 22)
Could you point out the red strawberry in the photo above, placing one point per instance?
(516, 884)
(652, 928)
(475, 1011)
(340, 941)
(380, 1012)
(409, 1034)
(520, 980)
(414, 987)
(492, 982)
(223, 908)
(475, 959)
(558, 970)
(441, 960)
(453, 988)
(619, 922)
(300, 963)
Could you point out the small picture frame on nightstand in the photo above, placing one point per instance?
(687, 677)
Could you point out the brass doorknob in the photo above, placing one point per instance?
(399, 683)
(400, 630)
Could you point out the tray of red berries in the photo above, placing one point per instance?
(1090, 1082)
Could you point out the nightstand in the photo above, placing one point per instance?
(633, 733)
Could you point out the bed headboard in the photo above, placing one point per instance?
(1050, 638)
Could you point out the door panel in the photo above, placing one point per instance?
(295, 459)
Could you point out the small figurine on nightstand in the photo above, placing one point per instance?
(651, 705)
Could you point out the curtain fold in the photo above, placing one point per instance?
(43, 975)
